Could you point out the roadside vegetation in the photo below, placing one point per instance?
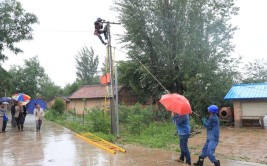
(142, 126)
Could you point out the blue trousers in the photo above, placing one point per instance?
(209, 149)
(184, 148)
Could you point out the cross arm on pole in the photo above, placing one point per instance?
(107, 22)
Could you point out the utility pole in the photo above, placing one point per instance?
(112, 102)
(117, 101)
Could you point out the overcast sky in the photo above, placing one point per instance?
(67, 25)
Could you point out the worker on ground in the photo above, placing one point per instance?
(99, 30)
(213, 132)
(183, 130)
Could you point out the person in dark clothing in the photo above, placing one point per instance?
(24, 111)
(183, 130)
(5, 120)
(19, 115)
(98, 30)
(2, 113)
(13, 111)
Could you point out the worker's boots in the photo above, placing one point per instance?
(199, 162)
(217, 163)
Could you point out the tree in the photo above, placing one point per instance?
(15, 26)
(48, 89)
(70, 88)
(27, 78)
(255, 71)
(185, 45)
(87, 64)
(5, 82)
(59, 105)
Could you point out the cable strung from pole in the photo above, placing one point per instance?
(146, 70)
(152, 75)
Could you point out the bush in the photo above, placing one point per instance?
(124, 112)
(135, 124)
(59, 105)
(49, 115)
(147, 113)
(162, 114)
(99, 120)
(135, 117)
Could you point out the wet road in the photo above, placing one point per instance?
(57, 146)
(54, 145)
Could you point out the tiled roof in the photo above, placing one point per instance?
(89, 91)
(66, 98)
(247, 91)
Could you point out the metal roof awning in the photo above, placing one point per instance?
(247, 91)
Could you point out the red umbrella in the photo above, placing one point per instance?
(176, 103)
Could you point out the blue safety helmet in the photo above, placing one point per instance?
(213, 109)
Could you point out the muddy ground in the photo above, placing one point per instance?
(245, 146)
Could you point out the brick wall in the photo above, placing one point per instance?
(237, 114)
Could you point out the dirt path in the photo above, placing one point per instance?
(140, 156)
(245, 144)
(56, 145)
(237, 147)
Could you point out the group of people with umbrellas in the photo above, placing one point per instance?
(19, 109)
(181, 110)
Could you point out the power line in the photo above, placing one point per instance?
(152, 75)
(146, 70)
(59, 30)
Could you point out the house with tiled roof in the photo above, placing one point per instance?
(250, 103)
(64, 98)
(90, 96)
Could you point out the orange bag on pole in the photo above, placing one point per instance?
(105, 79)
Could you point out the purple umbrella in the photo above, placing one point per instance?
(32, 104)
(5, 99)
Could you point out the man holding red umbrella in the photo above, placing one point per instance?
(180, 108)
(183, 130)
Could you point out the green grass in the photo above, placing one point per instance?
(156, 135)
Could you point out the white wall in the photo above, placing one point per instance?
(253, 108)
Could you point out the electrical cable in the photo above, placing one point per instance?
(59, 30)
(146, 70)
(152, 75)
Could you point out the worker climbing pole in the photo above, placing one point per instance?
(106, 31)
(99, 30)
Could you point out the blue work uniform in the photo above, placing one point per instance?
(183, 130)
(213, 132)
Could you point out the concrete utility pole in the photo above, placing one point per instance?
(112, 102)
(117, 101)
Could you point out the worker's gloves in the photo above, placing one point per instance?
(204, 120)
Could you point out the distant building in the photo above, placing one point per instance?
(64, 98)
(90, 96)
(250, 102)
